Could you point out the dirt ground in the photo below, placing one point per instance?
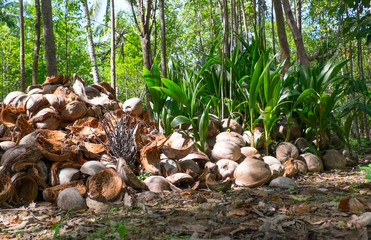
(323, 206)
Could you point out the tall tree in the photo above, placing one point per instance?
(244, 21)
(93, 58)
(282, 37)
(298, 14)
(49, 44)
(163, 38)
(113, 62)
(21, 26)
(36, 51)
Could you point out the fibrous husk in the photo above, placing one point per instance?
(59, 79)
(231, 136)
(19, 154)
(181, 179)
(105, 185)
(301, 144)
(35, 91)
(214, 124)
(5, 145)
(333, 159)
(324, 142)
(5, 188)
(30, 139)
(226, 168)
(294, 167)
(24, 189)
(92, 92)
(282, 127)
(127, 175)
(49, 89)
(150, 156)
(53, 134)
(19, 101)
(233, 126)
(252, 173)
(11, 96)
(271, 160)
(168, 167)
(71, 199)
(134, 106)
(55, 101)
(46, 118)
(157, 184)
(178, 146)
(34, 102)
(226, 150)
(277, 170)
(9, 115)
(350, 156)
(286, 150)
(66, 94)
(22, 128)
(313, 162)
(250, 152)
(199, 157)
(51, 194)
(73, 111)
(190, 167)
(258, 137)
(336, 142)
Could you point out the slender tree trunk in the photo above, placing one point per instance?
(231, 49)
(273, 35)
(225, 27)
(89, 35)
(113, 60)
(49, 44)
(244, 21)
(254, 13)
(298, 14)
(22, 69)
(302, 55)
(65, 19)
(35, 62)
(211, 23)
(163, 38)
(282, 37)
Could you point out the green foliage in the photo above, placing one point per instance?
(367, 170)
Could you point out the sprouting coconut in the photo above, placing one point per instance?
(286, 150)
(231, 136)
(313, 162)
(226, 167)
(333, 159)
(226, 150)
(233, 126)
(252, 173)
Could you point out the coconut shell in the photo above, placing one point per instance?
(252, 173)
(291, 168)
(92, 92)
(178, 146)
(250, 152)
(181, 179)
(54, 101)
(169, 167)
(24, 188)
(11, 96)
(226, 168)
(51, 194)
(336, 142)
(150, 156)
(226, 150)
(73, 111)
(231, 136)
(71, 199)
(313, 162)
(104, 185)
(351, 157)
(34, 102)
(91, 167)
(233, 126)
(301, 144)
(324, 142)
(68, 174)
(189, 166)
(277, 170)
(295, 131)
(157, 184)
(333, 159)
(19, 101)
(5, 188)
(286, 150)
(133, 106)
(199, 157)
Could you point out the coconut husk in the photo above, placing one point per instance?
(178, 146)
(9, 115)
(233, 126)
(34, 102)
(226, 168)
(190, 167)
(157, 184)
(301, 144)
(313, 162)
(24, 188)
(53, 134)
(295, 131)
(59, 79)
(92, 92)
(333, 159)
(291, 168)
(133, 106)
(168, 167)
(252, 173)
(250, 152)
(350, 156)
(127, 175)
(199, 157)
(49, 89)
(336, 142)
(181, 179)
(231, 136)
(22, 128)
(105, 185)
(73, 111)
(11, 96)
(226, 150)
(150, 156)
(55, 151)
(46, 118)
(19, 154)
(258, 137)
(5, 188)
(59, 165)
(285, 151)
(51, 194)
(19, 101)
(54, 101)
(66, 94)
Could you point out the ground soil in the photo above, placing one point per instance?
(323, 206)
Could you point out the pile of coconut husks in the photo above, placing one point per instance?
(76, 146)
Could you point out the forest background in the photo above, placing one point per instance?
(214, 39)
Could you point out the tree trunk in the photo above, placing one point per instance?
(91, 47)
(163, 39)
(113, 62)
(300, 50)
(282, 37)
(211, 23)
(298, 14)
(66, 21)
(49, 44)
(22, 69)
(244, 21)
(35, 62)
(225, 27)
(273, 35)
